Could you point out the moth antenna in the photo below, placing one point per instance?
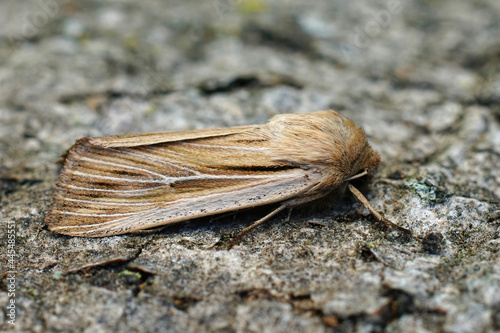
(359, 175)
(377, 215)
(255, 224)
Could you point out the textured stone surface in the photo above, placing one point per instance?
(422, 79)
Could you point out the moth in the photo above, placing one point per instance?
(129, 183)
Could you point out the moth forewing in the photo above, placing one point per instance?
(133, 140)
(121, 184)
(106, 191)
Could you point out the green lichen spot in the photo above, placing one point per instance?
(426, 190)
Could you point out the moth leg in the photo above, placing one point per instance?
(223, 216)
(377, 215)
(149, 231)
(255, 224)
(289, 216)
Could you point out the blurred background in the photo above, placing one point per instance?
(421, 77)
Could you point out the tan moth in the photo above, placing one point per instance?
(128, 183)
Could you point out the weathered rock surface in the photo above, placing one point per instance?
(422, 79)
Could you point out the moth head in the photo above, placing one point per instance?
(361, 160)
(370, 161)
